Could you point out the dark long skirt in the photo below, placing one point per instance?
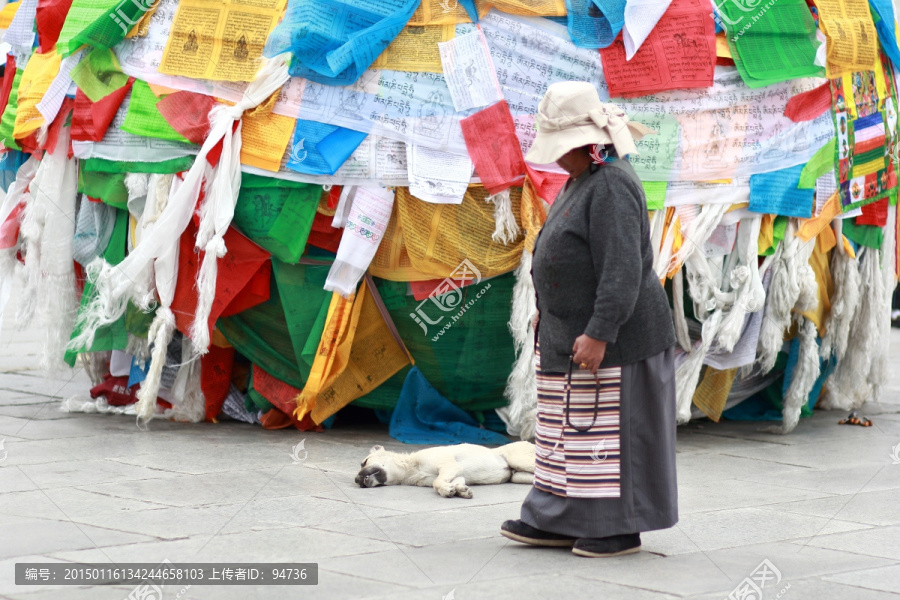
(648, 495)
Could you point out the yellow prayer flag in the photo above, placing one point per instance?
(712, 391)
(416, 49)
(219, 39)
(358, 352)
(39, 73)
(810, 228)
(428, 241)
(264, 139)
(7, 14)
(851, 38)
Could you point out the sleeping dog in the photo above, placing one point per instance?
(449, 469)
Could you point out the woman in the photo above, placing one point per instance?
(605, 467)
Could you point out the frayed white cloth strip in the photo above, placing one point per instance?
(363, 232)
(217, 209)
(115, 285)
(49, 230)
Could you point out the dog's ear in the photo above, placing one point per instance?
(376, 449)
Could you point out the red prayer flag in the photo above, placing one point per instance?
(50, 16)
(679, 53)
(235, 270)
(91, 119)
(809, 105)
(188, 114)
(875, 214)
(491, 140)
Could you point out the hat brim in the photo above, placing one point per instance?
(549, 146)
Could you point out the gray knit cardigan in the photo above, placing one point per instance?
(592, 272)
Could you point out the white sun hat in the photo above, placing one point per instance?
(571, 115)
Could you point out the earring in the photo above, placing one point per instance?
(596, 156)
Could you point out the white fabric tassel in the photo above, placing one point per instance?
(681, 328)
(521, 386)
(848, 386)
(790, 271)
(137, 185)
(688, 374)
(697, 232)
(506, 230)
(845, 272)
(115, 284)
(161, 331)
(804, 377)
(878, 376)
(206, 286)
(217, 208)
(745, 281)
(190, 405)
(30, 229)
(49, 231)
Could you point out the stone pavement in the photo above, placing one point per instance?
(822, 505)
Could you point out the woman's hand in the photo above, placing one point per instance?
(589, 353)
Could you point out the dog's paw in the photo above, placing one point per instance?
(446, 492)
(464, 492)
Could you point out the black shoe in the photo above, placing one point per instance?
(613, 545)
(522, 532)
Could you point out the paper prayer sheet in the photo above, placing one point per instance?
(469, 71)
(436, 176)
(219, 39)
(825, 187)
(412, 107)
(679, 193)
(21, 29)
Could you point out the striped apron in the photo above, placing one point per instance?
(577, 450)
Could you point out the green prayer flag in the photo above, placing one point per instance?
(99, 74)
(277, 216)
(821, 163)
(864, 235)
(655, 191)
(100, 23)
(144, 119)
(113, 336)
(108, 187)
(9, 115)
(173, 165)
(771, 42)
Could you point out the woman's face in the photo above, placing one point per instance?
(575, 161)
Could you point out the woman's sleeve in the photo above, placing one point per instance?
(615, 240)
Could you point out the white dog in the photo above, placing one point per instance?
(449, 469)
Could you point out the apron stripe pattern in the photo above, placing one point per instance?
(569, 462)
